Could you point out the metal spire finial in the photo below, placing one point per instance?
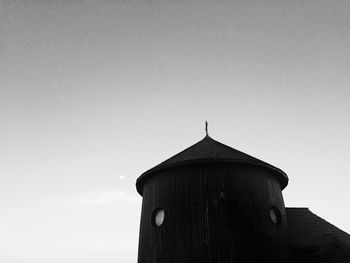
(206, 128)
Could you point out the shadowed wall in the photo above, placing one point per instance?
(214, 212)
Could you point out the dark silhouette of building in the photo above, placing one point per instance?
(212, 203)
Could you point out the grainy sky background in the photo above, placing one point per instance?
(93, 93)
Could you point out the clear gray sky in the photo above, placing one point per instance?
(93, 93)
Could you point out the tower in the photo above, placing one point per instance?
(212, 203)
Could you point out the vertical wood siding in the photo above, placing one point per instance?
(214, 212)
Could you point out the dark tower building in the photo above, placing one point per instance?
(212, 203)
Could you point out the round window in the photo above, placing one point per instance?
(158, 217)
(275, 215)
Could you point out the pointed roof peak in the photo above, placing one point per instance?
(210, 150)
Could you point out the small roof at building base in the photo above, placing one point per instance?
(313, 239)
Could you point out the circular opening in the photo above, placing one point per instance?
(158, 216)
(275, 215)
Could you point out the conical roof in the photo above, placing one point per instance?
(209, 150)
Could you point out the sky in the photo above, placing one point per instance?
(93, 93)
